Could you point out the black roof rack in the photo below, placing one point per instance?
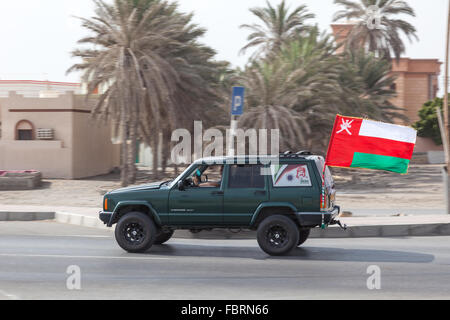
(298, 155)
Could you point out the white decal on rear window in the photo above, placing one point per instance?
(290, 176)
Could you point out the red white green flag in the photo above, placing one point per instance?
(360, 143)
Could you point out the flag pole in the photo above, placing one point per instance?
(323, 204)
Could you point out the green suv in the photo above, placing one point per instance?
(279, 197)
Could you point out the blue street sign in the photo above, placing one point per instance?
(237, 102)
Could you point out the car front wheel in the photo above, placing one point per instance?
(278, 235)
(135, 232)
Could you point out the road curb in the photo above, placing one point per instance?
(26, 216)
(369, 231)
(80, 220)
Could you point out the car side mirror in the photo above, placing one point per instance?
(181, 185)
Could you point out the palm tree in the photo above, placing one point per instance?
(383, 36)
(288, 90)
(127, 57)
(271, 100)
(367, 84)
(279, 25)
(301, 90)
(145, 53)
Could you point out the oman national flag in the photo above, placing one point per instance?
(359, 143)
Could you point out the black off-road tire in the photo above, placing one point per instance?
(162, 237)
(278, 235)
(304, 235)
(136, 232)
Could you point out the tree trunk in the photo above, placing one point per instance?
(166, 149)
(132, 154)
(124, 172)
(155, 151)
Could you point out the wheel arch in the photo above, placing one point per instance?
(124, 207)
(273, 208)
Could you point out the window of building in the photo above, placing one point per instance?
(25, 134)
(394, 87)
(246, 176)
(24, 130)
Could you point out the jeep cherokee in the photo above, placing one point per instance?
(279, 197)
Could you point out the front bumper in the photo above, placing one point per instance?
(105, 217)
(314, 219)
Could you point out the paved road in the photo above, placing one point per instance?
(34, 258)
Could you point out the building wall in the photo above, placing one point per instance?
(400, 83)
(44, 113)
(415, 95)
(341, 32)
(81, 147)
(34, 89)
(48, 157)
(427, 144)
(417, 83)
(93, 152)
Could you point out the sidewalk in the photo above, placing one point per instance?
(358, 227)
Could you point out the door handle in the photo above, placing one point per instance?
(217, 193)
(260, 193)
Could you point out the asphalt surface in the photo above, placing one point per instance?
(35, 256)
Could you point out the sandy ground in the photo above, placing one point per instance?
(360, 192)
(422, 188)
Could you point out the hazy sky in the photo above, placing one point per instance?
(38, 35)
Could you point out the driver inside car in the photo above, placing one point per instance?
(197, 180)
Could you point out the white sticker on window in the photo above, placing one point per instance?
(290, 176)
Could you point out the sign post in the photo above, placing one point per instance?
(237, 109)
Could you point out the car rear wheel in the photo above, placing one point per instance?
(135, 232)
(163, 236)
(304, 235)
(278, 235)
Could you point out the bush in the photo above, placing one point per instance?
(428, 125)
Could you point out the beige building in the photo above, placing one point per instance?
(417, 83)
(35, 89)
(54, 134)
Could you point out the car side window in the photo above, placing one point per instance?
(285, 176)
(246, 177)
(206, 177)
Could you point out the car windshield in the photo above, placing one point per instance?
(173, 182)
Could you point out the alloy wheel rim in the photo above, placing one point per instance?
(134, 233)
(277, 236)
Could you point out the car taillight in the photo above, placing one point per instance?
(105, 206)
(324, 200)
